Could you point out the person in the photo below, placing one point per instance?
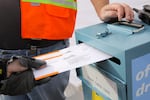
(32, 28)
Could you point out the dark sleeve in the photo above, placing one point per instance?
(3, 73)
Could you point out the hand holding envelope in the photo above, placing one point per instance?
(68, 59)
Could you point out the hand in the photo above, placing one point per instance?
(15, 67)
(20, 64)
(20, 79)
(116, 10)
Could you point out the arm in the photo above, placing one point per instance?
(107, 11)
(98, 4)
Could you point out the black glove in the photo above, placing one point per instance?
(18, 83)
(22, 82)
(27, 62)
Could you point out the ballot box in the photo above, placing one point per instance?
(129, 46)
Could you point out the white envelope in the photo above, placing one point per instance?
(68, 59)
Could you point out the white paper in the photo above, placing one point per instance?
(101, 82)
(70, 58)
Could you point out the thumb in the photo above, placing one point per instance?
(15, 66)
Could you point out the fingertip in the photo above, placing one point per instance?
(130, 18)
(120, 17)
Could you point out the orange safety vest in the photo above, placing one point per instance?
(46, 21)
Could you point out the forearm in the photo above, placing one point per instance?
(98, 4)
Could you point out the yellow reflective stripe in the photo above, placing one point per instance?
(64, 3)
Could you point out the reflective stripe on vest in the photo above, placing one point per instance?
(63, 3)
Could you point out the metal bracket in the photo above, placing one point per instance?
(125, 27)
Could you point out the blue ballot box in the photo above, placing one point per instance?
(130, 48)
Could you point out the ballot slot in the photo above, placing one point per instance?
(108, 44)
(113, 59)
